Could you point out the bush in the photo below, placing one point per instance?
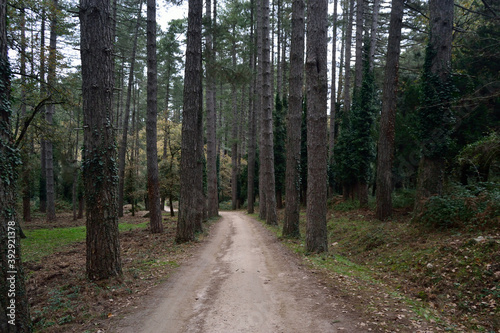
(403, 198)
(473, 207)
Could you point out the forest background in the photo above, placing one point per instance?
(441, 147)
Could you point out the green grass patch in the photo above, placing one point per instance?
(43, 242)
(123, 226)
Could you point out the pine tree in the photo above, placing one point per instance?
(293, 144)
(434, 115)
(385, 155)
(155, 219)
(317, 151)
(355, 150)
(212, 193)
(100, 173)
(281, 108)
(190, 215)
(123, 144)
(267, 167)
(11, 269)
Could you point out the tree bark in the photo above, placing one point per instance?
(385, 154)
(43, 89)
(361, 187)
(341, 64)
(212, 193)
(374, 30)
(358, 67)
(333, 104)
(155, 219)
(49, 113)
(99, 161)
(26, 170)
(234, 132)
(296, 83)
(267, 121)
(76, 170)
(348, 44)
(14, 306)
(260, 112)
(317, 152)
(123, 144)
(189, 214)
(431, 169)
(279, 69)
(251, 123)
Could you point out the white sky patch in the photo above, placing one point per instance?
(166, 12)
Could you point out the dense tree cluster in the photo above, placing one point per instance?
(228, 107)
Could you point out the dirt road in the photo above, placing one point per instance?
(242, 280)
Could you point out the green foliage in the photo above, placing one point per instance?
(355, 150)
(403, 198)
(474, 207)
(435, 119)
(452, 272)
(346, 206)
(10, 158)
(480, 155)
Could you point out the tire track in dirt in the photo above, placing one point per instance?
(242, 280)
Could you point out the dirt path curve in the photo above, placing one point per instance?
(243, 280)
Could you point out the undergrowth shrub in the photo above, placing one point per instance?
(472, 207)
(403, 198)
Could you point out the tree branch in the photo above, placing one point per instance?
(415, 10)
(27, 121)
(488, 6)
(475, 12)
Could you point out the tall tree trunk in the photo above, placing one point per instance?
(118, 94)
(234, 133)
(284, 64)
(358, 66)
(14, 306)
(49, 112)
(76, 170)
(189, 214)
(242, 134)
(317, 153)
(348, 45)
(262, 189)
(267, 121)
(155, 220)
(279, 72)
(43, 91)
(168, 119)
(26, 170)
(333, 104)
(212, 195)
(435, 108)
(341, 64)
(123, 144)
(133, 169)
(373, 33)
(99, 160)
(385, 154)
(296, 83)
(272, 21)
(361, 187)
(251, 123)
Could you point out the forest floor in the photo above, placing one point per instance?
(378, 278)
